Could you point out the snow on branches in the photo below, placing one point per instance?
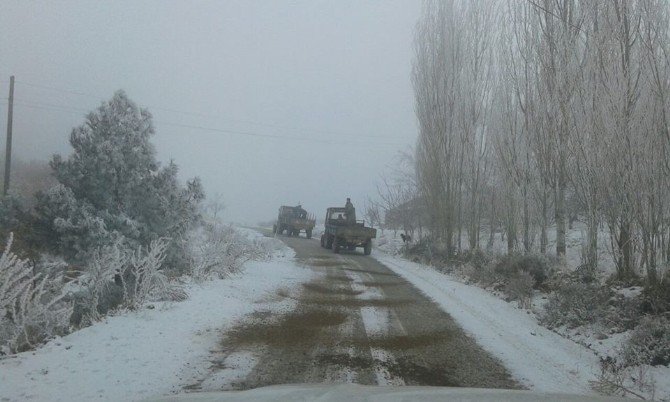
(218, 250)
(31, 310)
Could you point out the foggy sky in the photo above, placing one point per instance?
(334, 76)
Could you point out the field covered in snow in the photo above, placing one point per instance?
(153, 351)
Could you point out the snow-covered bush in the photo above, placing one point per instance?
(575, 303)
(218, 250)
(482, 274)
(32, 309)
(619, 379)
(431, 251)
(143, 280)
(649, 343)
(476, 258)
(510, 266)
(520, 288)
(263, 248)
(101, 285)
(117, 277)
(656, 297)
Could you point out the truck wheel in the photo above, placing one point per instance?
(329, 242)
(336, 246)
(367, 249)
(351, 248)
(296, 233)
(323, 240)
(308, 232)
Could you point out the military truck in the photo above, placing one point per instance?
(293, 220)
(340, 231)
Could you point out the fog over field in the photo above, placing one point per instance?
(267, 102)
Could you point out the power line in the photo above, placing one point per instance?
(282, 127)
(253, 134)
(61, 108)
(73, 92)
(49, 106)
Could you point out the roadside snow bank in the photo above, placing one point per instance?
(150, 352)
(537, 357)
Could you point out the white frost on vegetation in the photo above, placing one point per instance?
(30, 309)
(157, 350)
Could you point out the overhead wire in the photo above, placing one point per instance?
(196, 114)
(50, 106)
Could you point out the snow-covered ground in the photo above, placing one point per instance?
(390, 242)
(162, 348)
(152, 352)
(541, 359)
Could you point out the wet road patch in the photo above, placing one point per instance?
(358, 303)
(344, 279)
(405, 342)
(324, 261)
(410, 371)
(295, 328)
(380, 284)
(365, 271)
(339, 290)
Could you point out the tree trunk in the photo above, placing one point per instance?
(625, 245)
(492, 223)
(560, 215)
(526, 222)
(544, 241)
(592, 241)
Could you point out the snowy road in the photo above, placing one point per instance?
(357, 321)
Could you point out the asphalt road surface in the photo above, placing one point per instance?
(356, 322)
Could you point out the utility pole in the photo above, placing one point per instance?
(8, 145)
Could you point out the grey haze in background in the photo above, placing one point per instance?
(331, 78)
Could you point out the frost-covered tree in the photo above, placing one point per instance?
(70, 227)
(112, 186)
(113, 161)
(533, 104)
(436, 77)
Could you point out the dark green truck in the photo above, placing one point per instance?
(341, 232)
(293, 220)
